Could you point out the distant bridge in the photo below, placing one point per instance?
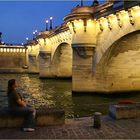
(13, 59)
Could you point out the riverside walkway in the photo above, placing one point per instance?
(80, 128)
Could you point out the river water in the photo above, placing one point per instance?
(57, 93)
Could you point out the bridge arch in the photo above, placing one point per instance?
(58, 44)
(113, 28)
(119, 67)
(61, 61)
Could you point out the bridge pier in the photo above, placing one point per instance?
(26, 57)
(80, 22)
(82, 68)
(45, 64)
(33, 64)
(32, 56)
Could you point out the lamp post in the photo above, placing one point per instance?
(47, 25)
(81, 2)
(27, 38)
(33, 35)
(0, 37)
(51, 23)
(36, 32)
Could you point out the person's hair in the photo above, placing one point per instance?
(11, 82)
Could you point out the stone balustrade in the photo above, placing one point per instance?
(45, 116)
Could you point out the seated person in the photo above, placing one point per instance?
(18, 106)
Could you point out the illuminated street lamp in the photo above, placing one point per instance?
(51, 23)
(27, 38)
(47, 25)
(35, 32)
(0, 37)
(33, 35)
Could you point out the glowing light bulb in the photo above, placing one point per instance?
(51, 18)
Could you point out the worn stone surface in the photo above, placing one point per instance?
(124, 111)
(58, 63)
(44, 117)
(118, 70)
(81, 128)
(50, 116)
(33, 64)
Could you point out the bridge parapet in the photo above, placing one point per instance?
(12, 49)
(113, 7)
(115, 26)
(47, 39)
(102, 10)
(80, 22)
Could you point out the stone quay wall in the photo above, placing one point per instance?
(12, 59)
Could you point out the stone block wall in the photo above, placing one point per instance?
(119, 69)
(12, 61)
(61, 63)
(124, 111)
(33, 64)
(58, 64)
(44, 117)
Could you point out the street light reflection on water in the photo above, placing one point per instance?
(57, 93)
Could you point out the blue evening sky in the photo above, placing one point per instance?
(18, 19)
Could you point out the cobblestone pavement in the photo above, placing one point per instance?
(80, 129)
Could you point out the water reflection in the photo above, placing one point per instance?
(52, 92)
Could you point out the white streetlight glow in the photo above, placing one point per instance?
(46, 21)
(51, 18)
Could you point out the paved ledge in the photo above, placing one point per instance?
(80, 128)
(45, 117)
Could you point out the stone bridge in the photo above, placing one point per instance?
(98, 46)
